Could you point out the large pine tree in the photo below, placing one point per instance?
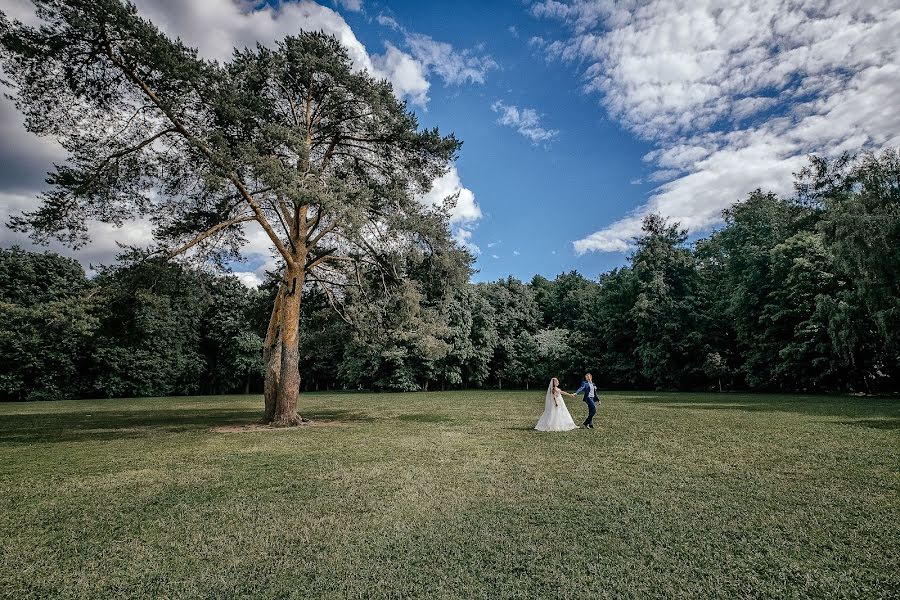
(324, 159)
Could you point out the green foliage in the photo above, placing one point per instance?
(798, 294)
(148, 340)
(47, 321)
(232, 347)
(665, 311)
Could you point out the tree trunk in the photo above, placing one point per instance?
(272, 359)
(282, 354)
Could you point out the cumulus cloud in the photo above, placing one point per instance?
(464, 214)
(734, 94)
(524, 120)
(466, 209)
(463, 237)
(407, 74)
(248, 278)
(453, 66)
(351, 5)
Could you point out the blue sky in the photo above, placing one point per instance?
(536, 197)
(578, 117)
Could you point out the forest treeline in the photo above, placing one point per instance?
(794, 294)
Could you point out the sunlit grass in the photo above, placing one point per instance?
(444, 495)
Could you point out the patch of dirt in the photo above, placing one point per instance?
(253, 427)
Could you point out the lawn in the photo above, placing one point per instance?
(442, 495)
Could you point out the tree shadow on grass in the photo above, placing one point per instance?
(885, 411)
(875, 423)
(103, 425)
(426, 418)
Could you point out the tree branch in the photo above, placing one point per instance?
(325, 231)
(332, 301)
(211, 231)
(204, 149)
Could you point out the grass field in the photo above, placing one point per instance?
(452, 495)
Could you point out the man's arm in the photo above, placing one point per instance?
(581, 389)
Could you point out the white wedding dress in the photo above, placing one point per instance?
(556, 416)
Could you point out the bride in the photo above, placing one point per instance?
(556, 416)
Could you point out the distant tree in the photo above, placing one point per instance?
(233, 350)
(715, 368)
(47, 320)
(396, 344)
(743, 246)
(611, 331)
(515, 310)
(32, 278)
(552, 348)
(860, 224)
(665, 310)
(148, 339)
(484, 340)
(324, 160)
(801, 267)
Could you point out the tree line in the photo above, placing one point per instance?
(792, 294)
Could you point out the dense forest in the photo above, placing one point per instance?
(796, 294)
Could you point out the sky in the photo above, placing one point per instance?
(577, 117)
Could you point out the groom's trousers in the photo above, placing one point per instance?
(592, 410)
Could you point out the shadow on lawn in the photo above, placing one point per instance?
(101, 425)
(880, 412)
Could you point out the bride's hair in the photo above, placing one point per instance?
(554, 382)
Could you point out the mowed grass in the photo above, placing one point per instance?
(445, 495)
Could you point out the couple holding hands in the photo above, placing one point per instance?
(556, 416)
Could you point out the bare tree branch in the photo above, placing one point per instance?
(211, 231)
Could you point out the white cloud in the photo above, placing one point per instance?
(516, 253)
(407, 74)
(464, 214)
(524, 120)
(455, 67)
(463, 237)
(494, 256)
(466, 209)
(663, 174)
(351, 5)
(513, 31)
(105, 238)
(734, 94)
(248, 278)
(387, 21)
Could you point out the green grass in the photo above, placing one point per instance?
(452, 495)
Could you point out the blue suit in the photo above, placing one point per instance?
(590, 398)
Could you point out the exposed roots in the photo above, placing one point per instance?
(288, 421)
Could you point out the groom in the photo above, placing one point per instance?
(590, 396)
